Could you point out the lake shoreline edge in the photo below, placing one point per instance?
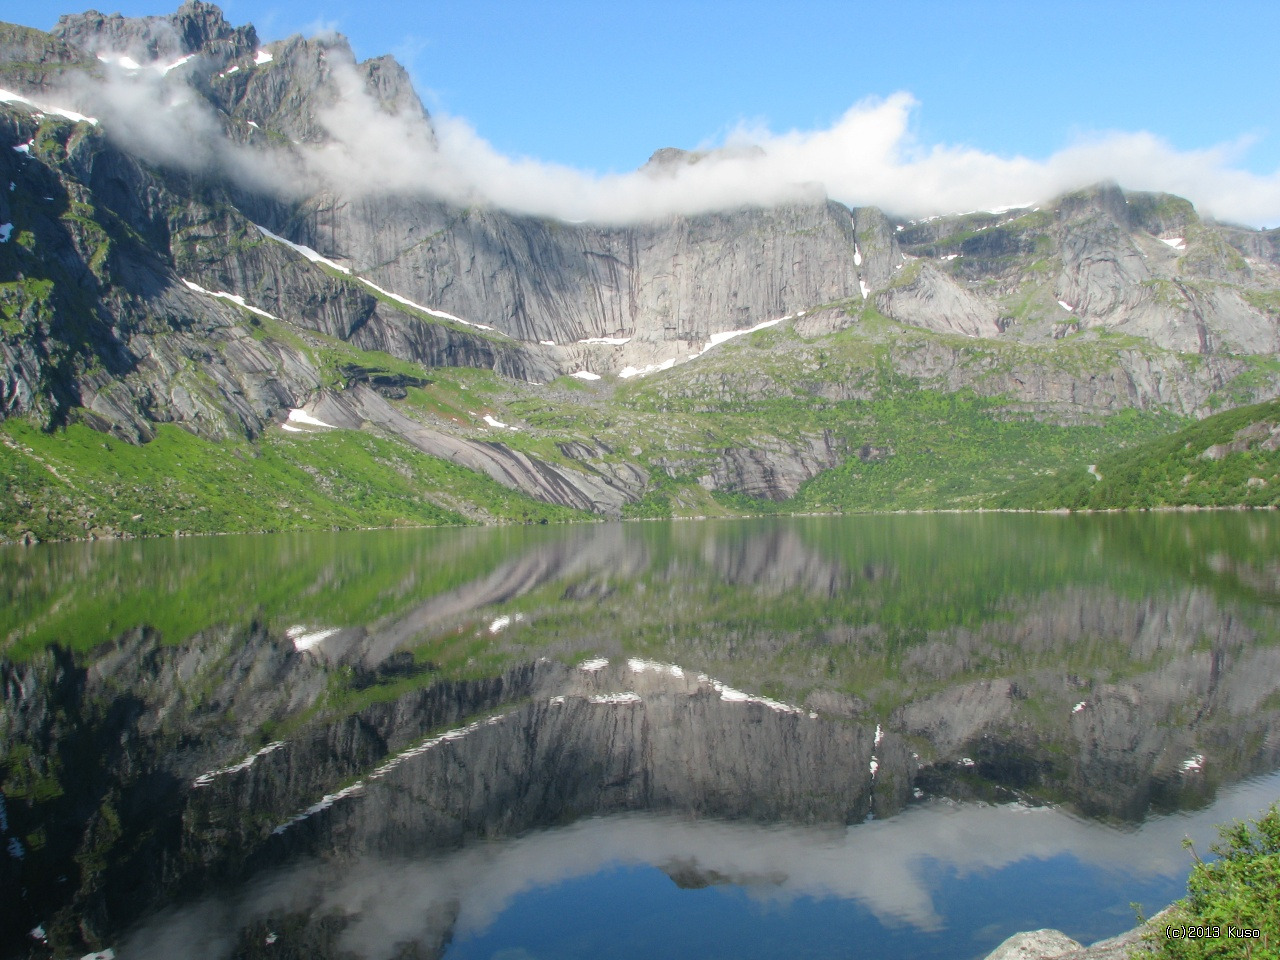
(1055, 945)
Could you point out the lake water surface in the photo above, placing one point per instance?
(897, 737)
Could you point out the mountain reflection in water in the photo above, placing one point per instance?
(884, 874)
(376, 743)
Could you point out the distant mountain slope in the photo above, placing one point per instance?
(184, 243)
(1229, 459)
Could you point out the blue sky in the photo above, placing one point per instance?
(598, 86)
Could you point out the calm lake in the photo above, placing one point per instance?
(890, 737)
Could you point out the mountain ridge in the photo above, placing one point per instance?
(141, 288)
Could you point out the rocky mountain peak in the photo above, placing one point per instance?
(196, 27)
(35, 60)
(668, 160)
(1105, 198)
(672, 158)
(390, 84)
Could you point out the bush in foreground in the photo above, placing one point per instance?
(1232, 907)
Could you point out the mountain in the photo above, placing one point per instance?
(202, 234)
(1228, 459)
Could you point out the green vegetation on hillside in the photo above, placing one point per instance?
(78, 482)
(1232, 908)
(906, 441)
(1228, 459)
(872, 408)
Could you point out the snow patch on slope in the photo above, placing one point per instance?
(8, 96)
(299, 415)
(233, 297)
(315, 257)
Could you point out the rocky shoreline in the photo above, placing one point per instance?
(1056, 945)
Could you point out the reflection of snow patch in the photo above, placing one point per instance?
(328, 800)
(879, 734)
(730, 695)
(873, 766)
(640, 666)
(504, 621)
(5, 230)
(1193, 763)
(1080, 706)
(556, 701)
(207, 778)
(627, 697)
(302, 640)
(591, 666)
(965, 761)
(107, 954)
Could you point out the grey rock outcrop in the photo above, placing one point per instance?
(1056, 945)
(932, 301)
(678, 281)
(772, 469)
(594, 491)
(196, 27)
(1036, 945)
(33, 63)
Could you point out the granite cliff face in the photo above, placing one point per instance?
(207, 288)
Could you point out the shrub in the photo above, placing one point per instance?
(1232, 908)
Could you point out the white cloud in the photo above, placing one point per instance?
(867, 157)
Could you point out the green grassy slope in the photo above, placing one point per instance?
(79, 483)
(906, 440)
(1223, 460)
